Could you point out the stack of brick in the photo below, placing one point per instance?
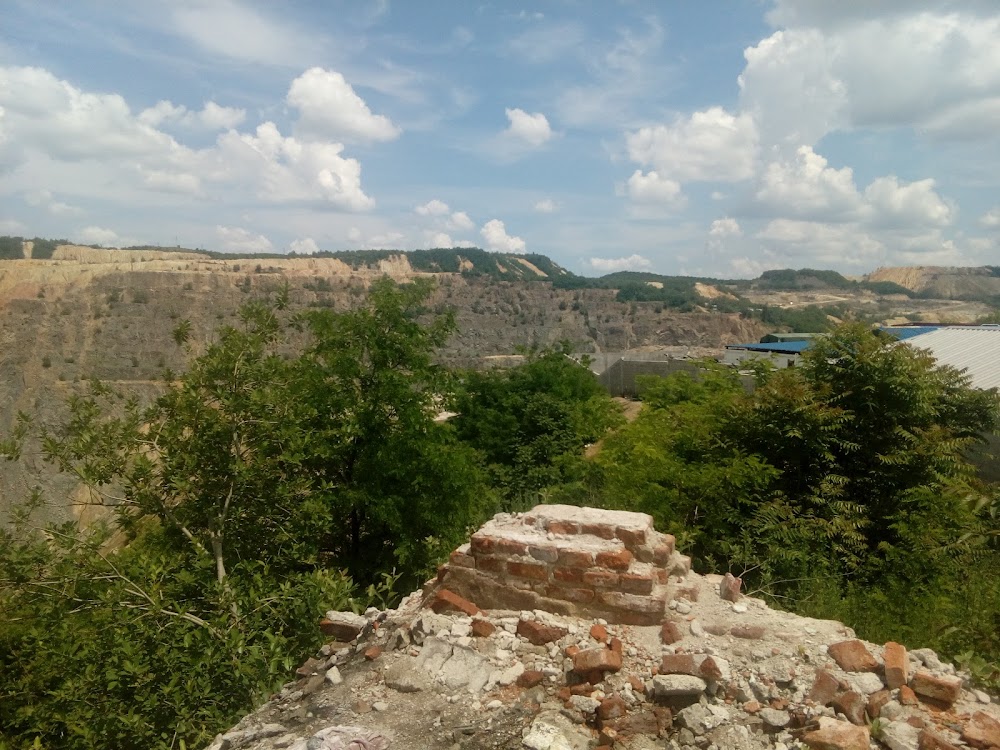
(571, 561)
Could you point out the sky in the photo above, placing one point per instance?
(714, 138)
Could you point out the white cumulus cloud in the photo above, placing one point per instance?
(991, 219)
(212, 116)
(459, 221)
(94, 235)
(288, 170)
(708, 145)
(330, 109)
(240, 240)
(304, 246)
(726, 227)
(495, 234)
(440, 239)
(841, 66)
(907, 204)
(45, 200)
(530, 128)
(609, 265)
(433, 208)
(807, 187)
(650, 188)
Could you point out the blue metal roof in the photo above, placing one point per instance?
(778, 347)
(907, 332)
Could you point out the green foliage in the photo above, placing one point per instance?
(11, 248)
(805, 278)
(525, 421)
(885, 287)
(139, 648)
(296, 453)
(851, 466)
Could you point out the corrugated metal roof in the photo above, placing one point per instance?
(975, 350)
(779, 347)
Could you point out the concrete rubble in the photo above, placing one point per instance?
(456, 666)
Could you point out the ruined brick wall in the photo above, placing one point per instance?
(569, 560)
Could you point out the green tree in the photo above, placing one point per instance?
(526, 421)
(296, 451)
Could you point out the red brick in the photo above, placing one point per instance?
(448, 601)
(612, 707)
(563, 694)
(631, 537)
(709, 670)
(750, 632)
(482, 628)
(662, 576)
(567, 575)
(825, 688)
(837, 735)
(338, 630)
(678, 664)
(687, 592)
(545, 554)
(491, 565)
(670, 632)
(636, 723)
(599, 530)
(573, 558)
(635, 583)
(511, 547)
(616, 645)
(482, 545)
(530, 678)
(597, 660)
(907, 697)
(662, 552)
(634, 603)
(929, 740)
(373, 652)
(729, 588)
(852, 705)
(942, 690)
(584, 688)
(461, 560)
(598, 632)
(638, 686)
(852, 656)
(897, 666)
(571, 651)
(617, 560)
(876, 701)
(442, 570)
(602, 578)
(539, 634)
(564, 527)
(982, 730)
(532, 571)
(570, 594)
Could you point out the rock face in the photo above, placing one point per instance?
(458, 670)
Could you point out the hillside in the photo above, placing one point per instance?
(979, 283)
(109, 314)
(78, 312)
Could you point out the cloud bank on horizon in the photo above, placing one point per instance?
(717, 140)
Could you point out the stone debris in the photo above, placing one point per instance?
(449, 671)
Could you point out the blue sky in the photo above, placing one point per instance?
(716, 138)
